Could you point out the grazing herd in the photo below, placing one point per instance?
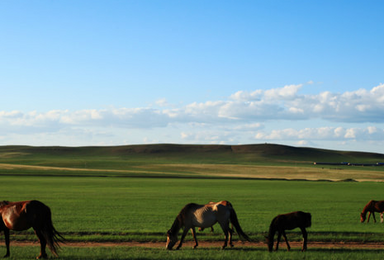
(23, 215)
(222, 212)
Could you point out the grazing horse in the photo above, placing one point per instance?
(372, 207)
(288, 221)
(23, 215)
(204, 216)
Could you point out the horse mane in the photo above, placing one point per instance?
(180, 219)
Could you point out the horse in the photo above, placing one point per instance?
(289, 221)
(23, 215)
(194, 215)
(372, 207)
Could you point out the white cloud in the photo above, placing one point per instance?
(162, 102)
(286, 93)
(249, 127)
(322, 133)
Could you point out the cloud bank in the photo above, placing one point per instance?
(355, 115)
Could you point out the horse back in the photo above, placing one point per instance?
(15, 216)
(195, 215)
(377, 205)
(224, 203)
(22, 215)
(292, 220)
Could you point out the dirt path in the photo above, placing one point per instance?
(205, 244)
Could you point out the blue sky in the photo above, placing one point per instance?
(302, 73)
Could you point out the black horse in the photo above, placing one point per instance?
(289, 221)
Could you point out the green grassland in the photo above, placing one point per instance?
(139, 208)
(142, 209)
(201, 253)
(134, 193)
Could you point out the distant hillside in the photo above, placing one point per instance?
(260, 161)
(179, 153)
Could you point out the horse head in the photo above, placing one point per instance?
(362, 217)
(171, 239)
(269, 243)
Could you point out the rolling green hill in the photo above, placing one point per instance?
(175, 153)
(240, 161)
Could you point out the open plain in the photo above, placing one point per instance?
(118, 202)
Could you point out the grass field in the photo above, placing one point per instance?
(202, 253)
(142, 209)
(98, 205)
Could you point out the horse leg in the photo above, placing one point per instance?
(305, 236)
(286, 241)
(230, 231)
(369, 215)
(225, 228)
(6, 235)
(185, 231)
(374, 218)
(194, 237)
(43, 244)
(278, 240)
(381, 217)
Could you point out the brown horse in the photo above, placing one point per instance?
(372, 207)
(204, 216)
(23, 215)
(288, 221)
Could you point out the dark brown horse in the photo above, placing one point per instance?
(23, 215)
(289, 221)
(204, 216)
(372, 207)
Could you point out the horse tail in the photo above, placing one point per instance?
(235, 222)
(271, 234)
(51, 235)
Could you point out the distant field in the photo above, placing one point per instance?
(249, 161)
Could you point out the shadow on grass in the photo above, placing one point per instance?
(348, 250)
